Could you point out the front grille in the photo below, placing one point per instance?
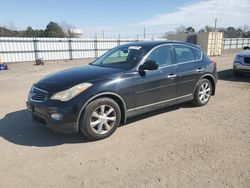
(247, 60)
(38, 94)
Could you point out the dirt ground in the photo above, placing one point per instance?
(180, 146)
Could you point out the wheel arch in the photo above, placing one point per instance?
(211, 79)
(117, 98)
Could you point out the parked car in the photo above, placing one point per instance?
(241, 63)
(128, 80)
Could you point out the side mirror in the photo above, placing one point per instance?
(125, 51)
(149, 65)
(246, 48)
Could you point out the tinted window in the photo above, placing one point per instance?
(197, 53)
(161, 55)
(116, 57)
(125, 56)
(184, 54)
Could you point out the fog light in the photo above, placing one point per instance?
(57, 116)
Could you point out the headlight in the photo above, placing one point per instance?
(239, 58)
(71, 93)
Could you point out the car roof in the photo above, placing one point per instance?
(152, 44)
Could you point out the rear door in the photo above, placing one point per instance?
(158, 85)
(188, 69)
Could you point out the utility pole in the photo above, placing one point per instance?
(215, 25)
(214, 37)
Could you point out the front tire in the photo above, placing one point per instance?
(100, 119)
(202, 93)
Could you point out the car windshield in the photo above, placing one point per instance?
(126, 56)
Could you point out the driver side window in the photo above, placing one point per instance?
(161, 55)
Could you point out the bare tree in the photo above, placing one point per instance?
(181, 29)
(165, 35)
(245, 28)
(66, 28)
(10, 26)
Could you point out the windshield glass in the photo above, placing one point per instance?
(126, 56)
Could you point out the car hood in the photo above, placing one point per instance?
(70, 77)
(245, 53)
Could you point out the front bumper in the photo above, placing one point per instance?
(41, 115)
(241, 67)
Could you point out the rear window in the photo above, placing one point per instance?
(198, 54)
(184, 54)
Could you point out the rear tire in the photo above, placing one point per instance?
(100, 119)
(202, 93)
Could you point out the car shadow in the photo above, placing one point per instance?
(228, 75)
(17, 128)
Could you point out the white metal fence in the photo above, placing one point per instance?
(30, 49)
(234, 43)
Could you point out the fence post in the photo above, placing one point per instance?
(137, 38)
(70, 49)
(35, 41)
(119, 40)
(230, 44)
(223, 43)
(95, 46)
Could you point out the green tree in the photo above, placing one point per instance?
(240, 33)
(4, 32)
(29, 32)
(54, 30)
(231, 32)
(190, 30)
(247, 34)
(208, 28)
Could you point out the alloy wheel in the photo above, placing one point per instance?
(103, 119)
(204, 92)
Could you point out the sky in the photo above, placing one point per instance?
(127, 18)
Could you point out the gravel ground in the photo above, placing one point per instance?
(180, 146)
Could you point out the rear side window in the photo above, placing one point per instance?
(184, 54)
(161, 55)
(198, 54)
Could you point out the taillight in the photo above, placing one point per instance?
(214, 63)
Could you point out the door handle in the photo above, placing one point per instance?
(200, 70)
(172, 76)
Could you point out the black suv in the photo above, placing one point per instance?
(128, 80)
